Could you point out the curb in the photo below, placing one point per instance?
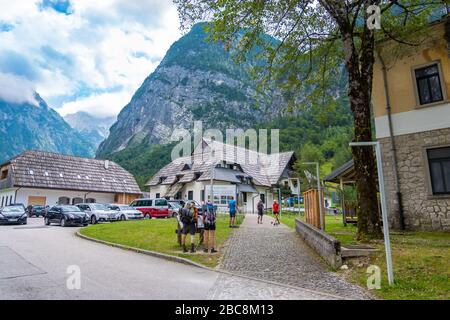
(194, 264)
(146, 252)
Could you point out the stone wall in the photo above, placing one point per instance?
(325, 245)
(422, 210)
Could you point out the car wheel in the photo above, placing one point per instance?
(93, 220)
(147, 217)
(123, 218)
(63, 222)
(47, 221)
(85, 225)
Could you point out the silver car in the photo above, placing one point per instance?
(98, 212)
(125, 212)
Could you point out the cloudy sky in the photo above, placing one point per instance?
(82, 55)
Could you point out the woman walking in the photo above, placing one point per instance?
(276, 212)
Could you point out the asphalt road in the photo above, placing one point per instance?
(34, 262)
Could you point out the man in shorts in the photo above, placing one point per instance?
(189, 219)
(233, 209)
(260, 208)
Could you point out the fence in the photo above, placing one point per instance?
(312, 207)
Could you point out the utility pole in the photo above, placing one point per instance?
(387, 241)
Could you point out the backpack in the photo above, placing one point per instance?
(210, 216)
(187, 216)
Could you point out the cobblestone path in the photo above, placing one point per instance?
(276, 253)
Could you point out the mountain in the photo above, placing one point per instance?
(28, 126)
(196, 80)
(91, 128)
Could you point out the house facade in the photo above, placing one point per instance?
(411, 104)
(44, 178)
(230, 172)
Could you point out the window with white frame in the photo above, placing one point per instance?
(429, 84)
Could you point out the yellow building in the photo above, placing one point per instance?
(411, 106)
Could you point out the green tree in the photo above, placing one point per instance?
(316, 38)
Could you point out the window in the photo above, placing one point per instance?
(190, 195)
(202, 195)
(428, 83)
(3, 199)
(262, 196)
(4, 174)
(244, 197)
(160, 203)
(158, 195)
(439, 164)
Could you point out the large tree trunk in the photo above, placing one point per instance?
(360, 75)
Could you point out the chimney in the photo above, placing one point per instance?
(106, 164)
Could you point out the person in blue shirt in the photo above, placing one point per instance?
(233, 209)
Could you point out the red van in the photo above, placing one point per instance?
(152, 208)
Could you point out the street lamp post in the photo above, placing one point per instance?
(319, 189)
(387, 241)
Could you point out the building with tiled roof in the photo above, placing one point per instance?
(233, 172)
(45, 178)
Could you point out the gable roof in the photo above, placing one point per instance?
(37, 169)
(264, 169)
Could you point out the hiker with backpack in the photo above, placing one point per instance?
(210, 228)
(189, 219)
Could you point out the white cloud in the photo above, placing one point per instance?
(98, 48)
(15, 89)
(100, 105)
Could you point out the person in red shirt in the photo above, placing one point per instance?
(276, 212)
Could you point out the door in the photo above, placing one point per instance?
(36, 201)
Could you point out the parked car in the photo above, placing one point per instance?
(180, 202)
(66, 215)
(98, 212)
(152, 208)
(37, 211)
(125, 212)
(17, 205)
(174, 208)
(13, 215)
(196, 204)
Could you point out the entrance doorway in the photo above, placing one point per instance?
(36, 201)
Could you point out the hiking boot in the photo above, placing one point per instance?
(184, 248)
(192, 248)
(205, 250)
(213, 250)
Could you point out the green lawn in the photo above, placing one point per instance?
(159, 235)
(421, 261)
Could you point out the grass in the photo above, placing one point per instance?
(159, 235)
(421, 261)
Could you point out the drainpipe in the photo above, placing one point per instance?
(393, 147)
(15, 194)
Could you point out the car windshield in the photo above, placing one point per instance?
(38, 207)
(71, 209)
(12, 209)
(126, 208)
(175, 205)
(99, 207)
